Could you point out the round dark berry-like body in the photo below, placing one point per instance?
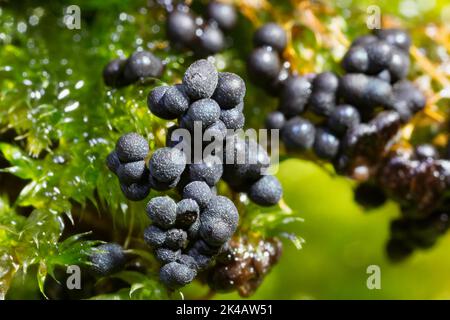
(322, 103)
(218, 130)
(232, 118)
(398, 250)
(222, 208)
(240, 107)
(218, 221)
(181, 27)
(403, 109)
(365, 92)
(298, 134)
(206, 111)
(224, 14)
(369, 195)
(185, 122)
(209, 170)
(142, 65)
(230, 90)
(400, 227)
(233, 177)
(175, 100)
(263, 65)
(163, 186)
(236, 150)
(384, 75)
(406, 91)
(387, 123)
(211, 40)
(198, 191)
(326, 145)
(398, 65)
(215, 231)
(155, 102)
(175, 239)
(187, 213)
(342, 118)
(364, 40)
(202, 261)
(113, 162)
(188, 261)
(165, 255)
(194, 230)
(135, 191)
(397, 37)
(132, 147)
(275, 86)
(206, 249)
(256, 160)
(174, 137)
(272, 35)
(154, 236)
(162, 211)
(326, 82)
(380, 54)
(175, 275)
(107, 259)
(113, 73)
(275, 120)
(294, 96)
(200, 79)
(132, 172)
(352, 87)
(267, 191)
(167, 164)
(356, 60)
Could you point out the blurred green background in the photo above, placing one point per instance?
(342, 240)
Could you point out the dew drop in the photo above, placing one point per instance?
(79, 84)
(22, 27)
(63, 94)
(72, 106)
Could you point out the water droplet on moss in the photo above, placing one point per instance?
(63, 94)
